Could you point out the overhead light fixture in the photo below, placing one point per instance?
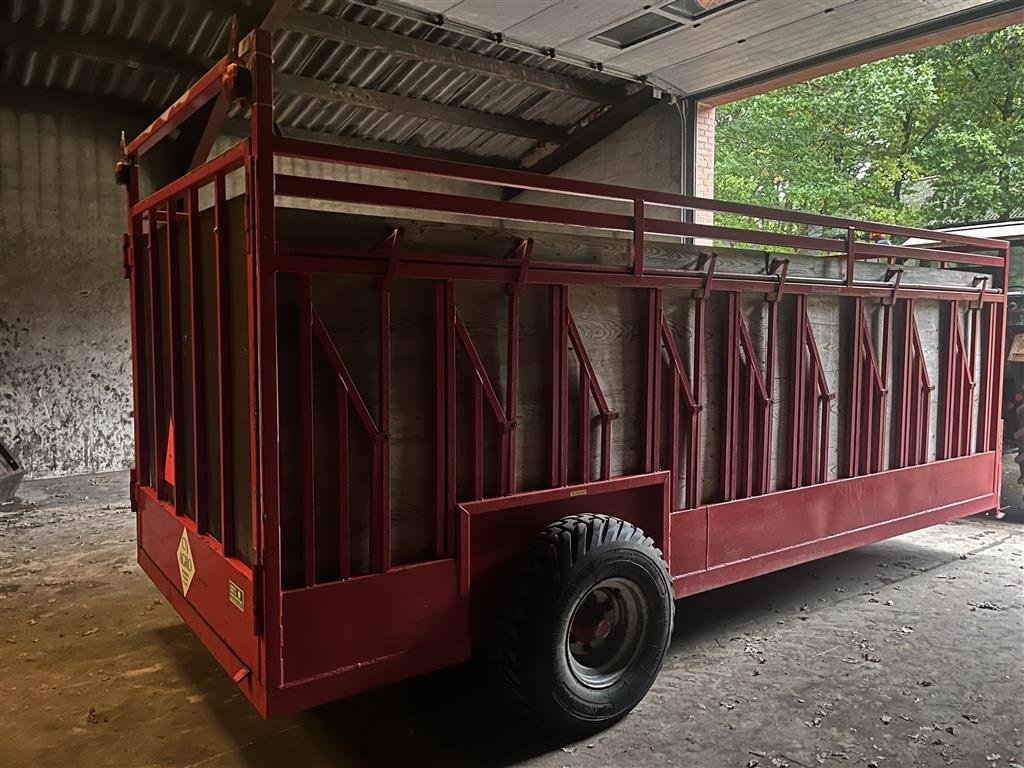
(636, 30)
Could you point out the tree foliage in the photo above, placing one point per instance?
(932, 137)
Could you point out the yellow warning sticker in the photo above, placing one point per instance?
(186, 565)
(236, 596)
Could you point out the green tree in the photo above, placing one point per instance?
(932, 137)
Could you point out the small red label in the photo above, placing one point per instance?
(169, 453)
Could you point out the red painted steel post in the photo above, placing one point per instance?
(307, 445)
(222, 299)
(450, 412)
(851, 254)
(266, 536)
(440, 417)
(769, 367)
(156, 353)
(949, 398)
(730, 395)
(796, 427)
(694, 457)
(478, 437)
(584, 426)
(341, 406)
(652, 372)
(638, 237)
(853, 420)
(382, 522)
(512, 380)
(196, 335)
(135, 298)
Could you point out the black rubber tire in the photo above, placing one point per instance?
(566, 561)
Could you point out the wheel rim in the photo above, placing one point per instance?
(606, 632)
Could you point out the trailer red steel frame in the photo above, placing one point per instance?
(292, 648)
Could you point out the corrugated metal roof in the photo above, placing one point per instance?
(192, 34)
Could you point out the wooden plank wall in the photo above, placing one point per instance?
(612, 324)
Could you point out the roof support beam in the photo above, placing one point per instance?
(427, 110)
(587, 135)
(341, 31)
(126, 52)
(239, 127)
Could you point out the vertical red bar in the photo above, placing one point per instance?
(512, 386)
(383, 511)
(440, 419)
(949, 395)
(344, 524)
(851, 255)
(998, 361)
(156, 354)
(823, 440)
(987, 401)
(306, 434)
(222, 298)
(584, 425)
(813, 412)
(174, 349)
(196, 336)
(450, 410)
(557, 331)
(606, 448)
(563, 389)
(972, 364)
(135, 298)
(694, 484)
(730, 393)
(478, 437)
(853, 418)
(674, 462)
(797, 436)
(263, 411)
(903, 419)
(638, 237)
(748, 428)
(884, 459)
(769, 380)
(652, 426)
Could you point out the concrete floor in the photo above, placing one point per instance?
(904, 653)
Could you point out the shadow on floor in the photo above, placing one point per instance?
(452, 718)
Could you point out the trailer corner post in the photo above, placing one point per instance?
(263, 354)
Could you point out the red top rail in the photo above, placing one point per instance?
(526, 180)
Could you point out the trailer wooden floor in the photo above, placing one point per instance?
(904, 653)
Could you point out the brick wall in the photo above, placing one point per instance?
(704, 162)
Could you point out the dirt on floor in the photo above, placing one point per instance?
(905, 653)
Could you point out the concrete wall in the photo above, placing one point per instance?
(65, 368)
(647, 152)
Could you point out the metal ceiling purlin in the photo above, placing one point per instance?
(470, 30)
(438, 90)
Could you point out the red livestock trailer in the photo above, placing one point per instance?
(370, 441)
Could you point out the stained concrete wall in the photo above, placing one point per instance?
(646, 152)
(65, 367)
